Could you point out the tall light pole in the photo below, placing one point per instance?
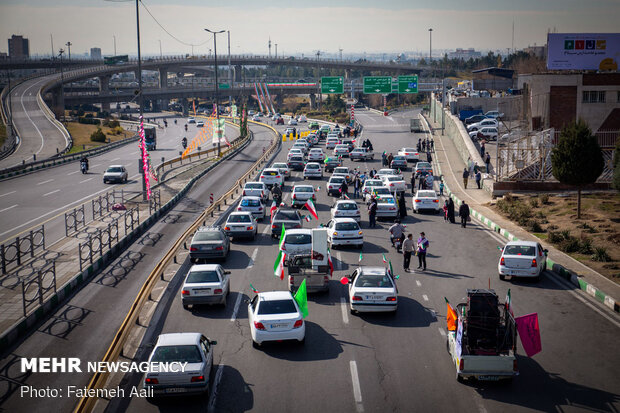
(430, 45)
(160, 52)
(217, 90)
(114, 44)
(276, 50)
(140, 96)
(69, 44)
(62, 89)
(230, 80)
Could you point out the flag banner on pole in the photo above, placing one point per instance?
(282, 234)
(385, 261)
(345, 196)
(310, 205)
(273, 209)
(361, 257)
(278, 266)
(260, 104)
(254, 290)
(301, 296)
(459, 338)
(331, 263)
(145, 159)
(529, 331)
(391, 269)
(450, 316)
(509, 303)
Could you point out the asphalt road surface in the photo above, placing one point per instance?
(384, 362)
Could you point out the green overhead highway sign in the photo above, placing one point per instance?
(408, 84)
(224, 86)
(332, 84)
(377, 84)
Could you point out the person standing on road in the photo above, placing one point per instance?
(383, 158)
(487, 161)
(451, 210)
(413, 183)
(419, 145)
(429, 158)
(344, 189)
(408, 248)
(390, 158)
(445, 210)
(356, 186)
(478, 178)
(422, 247)
(441, 186)
(429, 181)
(432, 145)
(464, 214)
(372, 212)
(482, 149)
(465, 177)
(421, 182)
(424, 146)
(402, 206)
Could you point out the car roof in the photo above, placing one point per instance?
(275, 295)
(372, 270)
(116, 166)
(303, 186)
(313, 163)
(251, 197)
(240, 212)
(345, 201)
(525, 243)
(254, 182)
(282, 165)
(426, 193)
(298, 231)
(271, 169)
(176, 339)
(204, 267)
(342, 219)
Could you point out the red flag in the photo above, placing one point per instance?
(310, 205)
(529, 331)
(450, 317)
(274, 207)
(331, 264)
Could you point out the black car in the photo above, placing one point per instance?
(349, 143)
(287, 216)
(399, 162)
(296, 163)
(209, 242)
(474, 119)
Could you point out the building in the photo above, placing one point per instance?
(537, 51)
(464, 54)
(95, 53)
(493, 78)
(558, 99)
(19, 48)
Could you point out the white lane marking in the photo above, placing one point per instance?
(357, 390)
(418, 283)
(115, 159)
(339, 260)
(236, 309)
(267, 229)
(253, 258)
(53, 192)
(86, 180)
(44, 182)
(425, 297)
(343, 307)
(441, 331)
(6, 209)
(216, 382)
(8, 193)
(98, 164)
(31, 121)
(74, 172)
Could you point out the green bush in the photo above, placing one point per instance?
(534, 202)
(570, 244)
(97, 136)
(113, 123)
(601, 255)
(554, 237)
(585, 246)
(544, 199)
(535, 226)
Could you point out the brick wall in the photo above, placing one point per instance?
(562, 105)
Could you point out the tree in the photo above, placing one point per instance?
(97, 136)
(577, 159)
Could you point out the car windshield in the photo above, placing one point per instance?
(387, 200)
(336, 180)
(202, 277)
(423, 165)
(270, 173)
(373, 280)
(208, 236)
(277, 307)
(250, 202)
(298, 239)
(253, 186)
(280, 165)
(313, 166)
(393, 178)
(347, 226)
(347, 206)
(408, 150)
(239, 218)
(182, 354)
(519, 250)
(297, 158)
(382, 191)
(426, 194)
(303, 189)
(287, 215)
(341, 171)
(374, 183)
(115, 169)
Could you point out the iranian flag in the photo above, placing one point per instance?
(310, 205)
(385, 261)
(361, 257)
(331, 264)
(509, 303)
(278, 266)
(273, 209)
(254, 290)
(282, 234)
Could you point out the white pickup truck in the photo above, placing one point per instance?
(483, 347)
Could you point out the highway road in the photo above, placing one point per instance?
(382, 362)
(85, 325)
(54, 190)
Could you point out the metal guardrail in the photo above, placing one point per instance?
(13, 252)
(116, 347)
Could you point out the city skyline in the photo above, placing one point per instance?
(356, 27)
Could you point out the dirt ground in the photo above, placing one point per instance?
(81, 136)
(592, 240)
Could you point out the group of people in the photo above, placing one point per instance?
(425, 145)
(367, 144)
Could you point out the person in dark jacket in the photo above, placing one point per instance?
(451, 211)
(344, 189)
(372, 213)
(429, 158)
(413, 183)
(464, 214)
(465, 177)
(402, 206)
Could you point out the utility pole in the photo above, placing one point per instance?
(318, 67)
(69, 49)
(114, 44)
(276, 50)
(230, 80)
(340, 50)
(430, 45)
(62, 83)
(217, 100)
(52, 41)
(140, 95)
(270, 47)
(160, 52)
(8, 75)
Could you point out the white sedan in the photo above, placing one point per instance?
(316, 155)
(394, 183)
(387, 171)
(297, 241)
(301, 194)
(346, 209)
(205, 284)
(283, 168)
(254, 205)
(411, 154)
(372, 289)
(425, 200)
(522, 259)
(292, 122)
(275, 316)
(344, 231)
(312, 170)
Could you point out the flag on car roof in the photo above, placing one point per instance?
(509, 303)
(273, 209)
(282, 234)
(391, 269)
(310, 205)
(385, 261)
(361, 257)
(278, 266)
(254, 290)
(345, 196)
(301, 296)
(450, 316)
(330, 262)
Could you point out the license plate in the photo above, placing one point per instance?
(373, 297)
(488, 378)
(203, 291)
(278, 325)
(176, 390)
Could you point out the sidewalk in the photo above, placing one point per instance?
(451, 167)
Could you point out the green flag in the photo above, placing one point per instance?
(391, 269)
(282, 236)
(301, 296)
(360, 258)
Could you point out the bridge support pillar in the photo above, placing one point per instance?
(104, 83)
(312, 101)
(57, 103)
(347, 74)
(163, 78)
(185, 105)
(280, 99)
(238, 72)
(105, 106)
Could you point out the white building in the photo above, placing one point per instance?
(95, 53)
(464, 54)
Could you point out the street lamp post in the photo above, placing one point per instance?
(69, 44)
(114, 44)
(62, 89)
(140, 96)
(217, 89)
(430, 45)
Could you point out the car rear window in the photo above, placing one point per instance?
(519, 250)
(208, 236)
(313, 166)
(115, 170)
(337, 180)
(382, 191)
(347, 226)
(270, 173)
(373, 280)
(303, 189)
(287, 215)
(254, 186)
(183, 354)
(374, 182)
(298, 239)
(341, 171)
(239, 218)
(393, 178)
(250, 202)
(386, 200)
(296, 158)
(426, 194)
(280, 165)
(202, 277)
(400, 158)
(423, 165)
(347, 206)
(276, 307)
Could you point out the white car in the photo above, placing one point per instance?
(369, 184)
(330, 143)
(301, 193)
(346, 209)
(386, 206)
(115, 173)
(275, 316)
(205, 284)
(316, 155)
(394, 183)
(372, 289)
(488, 133)
(295, 152)
(522, 259)
(283, 168)
(191, 348)
(191, 120)
(494, 114)
(423, 167)
(240, 224)
(411, 154)
(344, 231)
(258, 189)
(301, 146)
(334, 184)
(387, 171)
(479, 125)
(344, 172)
(292, 122)
(377, 191)
(271, 176)
(254, 205)
(341, 150)
(313, 170)
(200, 124)
(361, 154)
(256, 118)
(425, 200)
(303, 118)
(297, 241)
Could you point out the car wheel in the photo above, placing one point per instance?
(224, 300)
(352, 311)
(502, 277)
(192, 260)
(255, 344)
(302, 341)
(459, 378)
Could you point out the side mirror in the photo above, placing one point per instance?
(500, 248)
(546, 251)
(226, 272)
(213, 342)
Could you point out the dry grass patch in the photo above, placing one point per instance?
(81, 135)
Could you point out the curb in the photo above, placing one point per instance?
(558, 269)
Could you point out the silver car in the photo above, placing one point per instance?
(254, 205)
(205, 284)
(313, 170)
(241, 224)
(209, 242)
(115, 173)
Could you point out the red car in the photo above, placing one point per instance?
(280, 121)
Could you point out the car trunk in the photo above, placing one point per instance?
(518, 261)
(373, 294)
(202, 289)
(278, 322)
(178, 378)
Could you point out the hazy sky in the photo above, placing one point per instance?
(300, 27)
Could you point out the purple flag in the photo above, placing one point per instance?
(529, 332)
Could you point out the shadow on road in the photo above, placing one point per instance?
(320, 345)
(410, 313)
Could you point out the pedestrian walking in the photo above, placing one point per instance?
(408, 249)
(429, 158)
(372, 212)
(441, 186)
(421, 182)
(383, 158)
(355, 133)
(402, 206)
(464, 214)
(487, 161)
(421, 251)
(357, 183)
(465, 177)
(451, 211)
(478, 178)
(412, 181)
(432, 144)
(445, 210)
(429, 181)
(390, 158)
(482, 148)
(419, 146)
(344, 190)
(424, 146)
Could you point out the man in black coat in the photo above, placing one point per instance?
(464, 214)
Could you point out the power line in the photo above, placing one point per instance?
(170, 34)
